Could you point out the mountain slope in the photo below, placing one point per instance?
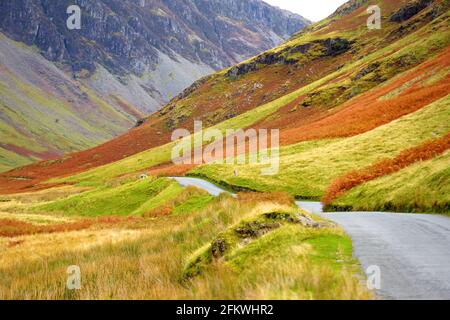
(126, 36)
(73, 89)
(421, 187)
(335, 80)
(44, 112)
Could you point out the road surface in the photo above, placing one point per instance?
(412, 251)
(200, 183)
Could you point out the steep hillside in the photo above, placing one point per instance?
(44, 112)
(308, 168)
(73, 89)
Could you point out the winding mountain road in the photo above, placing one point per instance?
(202, 184)
(411, 250)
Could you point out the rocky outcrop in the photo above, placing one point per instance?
(410, 10)
(192, 88)
(292, 55)
(245, 233)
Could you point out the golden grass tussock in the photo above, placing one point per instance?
(11, 228)
(37, 219)
(273, 197)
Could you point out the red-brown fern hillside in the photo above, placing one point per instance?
(426, 151)
(360, 115)
(369, 111)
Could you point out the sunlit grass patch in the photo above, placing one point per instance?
(131, 198)
(57, 193)
(30, 249)
(309, 264)
(423, 187)
(37, 219)
(288, 262)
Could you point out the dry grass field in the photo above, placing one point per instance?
(146, 258)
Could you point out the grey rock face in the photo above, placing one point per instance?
(410, 10)
(327, 47)
(125, 36)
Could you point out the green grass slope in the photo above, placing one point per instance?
(423, 187)
(307, 169)
(129, 198)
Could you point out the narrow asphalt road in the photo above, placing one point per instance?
(202, 184)
(412, 251)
